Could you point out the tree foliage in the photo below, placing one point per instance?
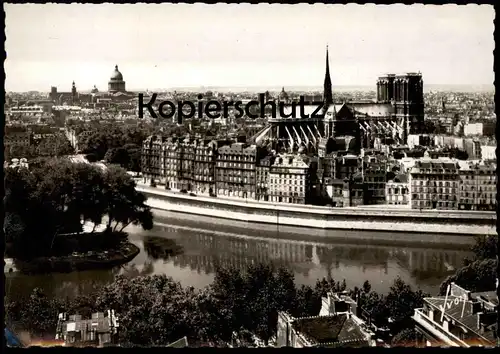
(56, 145)
(59, 197)
(156, 310)
(116, 144)
(127, 156)
(485, 247)
(36, 314)
(479, 275)
(398, 305)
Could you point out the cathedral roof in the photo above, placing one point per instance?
(373, 109)
(116, 75)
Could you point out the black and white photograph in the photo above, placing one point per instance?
(250, 175)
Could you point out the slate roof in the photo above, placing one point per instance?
(331, 331)
(321, 329)
(373, 109)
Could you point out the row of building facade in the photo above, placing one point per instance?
(239, 170)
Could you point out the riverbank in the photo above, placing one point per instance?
(451, 226)
(104, 259)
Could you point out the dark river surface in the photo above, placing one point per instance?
(188, 248)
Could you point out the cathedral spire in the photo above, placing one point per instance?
(327, 88)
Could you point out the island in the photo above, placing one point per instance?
(64, 216)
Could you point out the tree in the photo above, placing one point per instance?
(134, 157)
(154, 310)
(478, 276)
(117, 156)
(253, 299)
(27, 214)
(401, 302)
(127, 156)
(485, 247)
(37, 314)
(307, 302)
(124, 204)
(59, 197)
(57, 145)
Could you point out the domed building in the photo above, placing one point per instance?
(116, 83)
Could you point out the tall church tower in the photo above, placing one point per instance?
(73, 93)
(327, 87)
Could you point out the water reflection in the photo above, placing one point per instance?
(160, 248)
(309, 261)
(189, 251)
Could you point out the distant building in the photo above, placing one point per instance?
(337, 326)
(17, 136)
(480, 129)
(100, 330)
(473, 148)
(459, 319)
(488, 152)
(419, 140)
(116, 83)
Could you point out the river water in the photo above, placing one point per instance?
(188, 248)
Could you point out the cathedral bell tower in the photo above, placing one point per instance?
(73, 92)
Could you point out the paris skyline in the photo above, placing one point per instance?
(244, 45)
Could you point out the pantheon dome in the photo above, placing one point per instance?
(116, 83)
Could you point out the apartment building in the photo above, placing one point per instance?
(289, 179)
(434, 185)
(235, 174)
(262, 178)
(397, 190)
(478, 187)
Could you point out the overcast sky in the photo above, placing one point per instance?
(168, 45)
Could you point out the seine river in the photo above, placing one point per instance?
(188, 248)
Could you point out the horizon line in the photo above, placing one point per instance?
(272, 87)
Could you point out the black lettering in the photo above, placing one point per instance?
(181, 114)
(200, 106)
(226, 108)
(282, 110)
(149, 105)
(240, 113)
(172, 109)
(302, 104)
(319, 107)
(247, 109)
(264, 104)
(214, 112)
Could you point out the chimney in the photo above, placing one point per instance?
(331, 304)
